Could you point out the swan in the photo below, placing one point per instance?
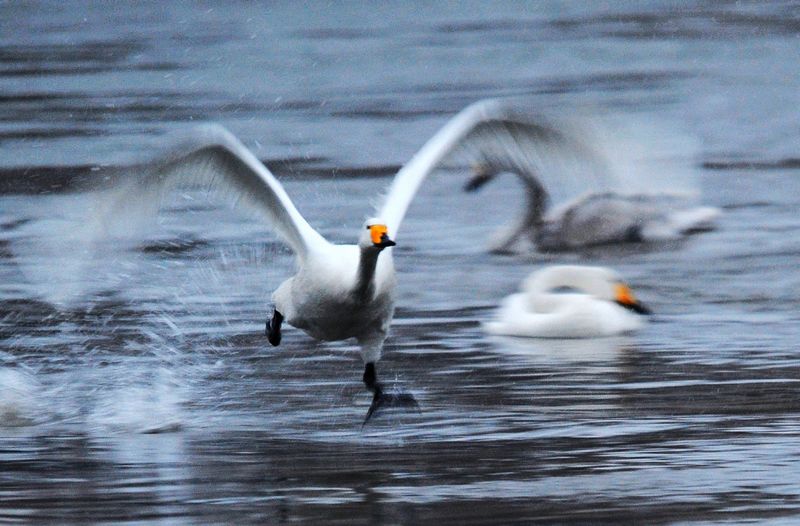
(569, 301)
(338, 291)
(587, 175)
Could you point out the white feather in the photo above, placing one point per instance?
(210, 156)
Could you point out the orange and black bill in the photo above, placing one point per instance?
(380, 236)
(625, 298)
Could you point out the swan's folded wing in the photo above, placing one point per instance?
(213, 159)
(496, 137)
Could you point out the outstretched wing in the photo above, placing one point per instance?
(496, 137)
(83, 242)
(212, 158)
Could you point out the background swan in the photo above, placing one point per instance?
(587, 183)
(569, 301)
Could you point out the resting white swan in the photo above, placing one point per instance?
(569, 301)
(602, 192)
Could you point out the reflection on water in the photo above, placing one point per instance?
(160, 399)
(569, 351)
(136, 382)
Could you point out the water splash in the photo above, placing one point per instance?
(19, 398)
(74, 248)
(133, 405)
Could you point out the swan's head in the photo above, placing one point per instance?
(607, 284)
(375, 235)
(482, 173)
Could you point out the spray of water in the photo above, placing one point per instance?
(20, 403)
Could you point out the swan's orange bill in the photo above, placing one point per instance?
(377, 232)
(624, 294)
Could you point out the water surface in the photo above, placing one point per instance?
(152, 395)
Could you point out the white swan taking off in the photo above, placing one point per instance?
(339, 291)
(569, 301)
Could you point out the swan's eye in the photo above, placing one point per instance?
(376, 232)
(624, 294)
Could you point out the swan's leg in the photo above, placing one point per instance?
(370, 377)
(273, 329)
(381, 399)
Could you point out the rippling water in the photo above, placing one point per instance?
(137, 384)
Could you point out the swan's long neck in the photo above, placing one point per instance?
(530, 223)
(563, 276)
(538, 201)
(365, 277)
(538, 198)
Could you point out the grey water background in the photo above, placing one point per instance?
(155, 398)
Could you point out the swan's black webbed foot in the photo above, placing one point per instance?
(273, 328)
(382, 399)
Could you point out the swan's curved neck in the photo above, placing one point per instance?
(530, 222)
(365, 278)
(537, 202)
(575, 278)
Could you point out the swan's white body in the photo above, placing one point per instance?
(590, 309)
(323, 299)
